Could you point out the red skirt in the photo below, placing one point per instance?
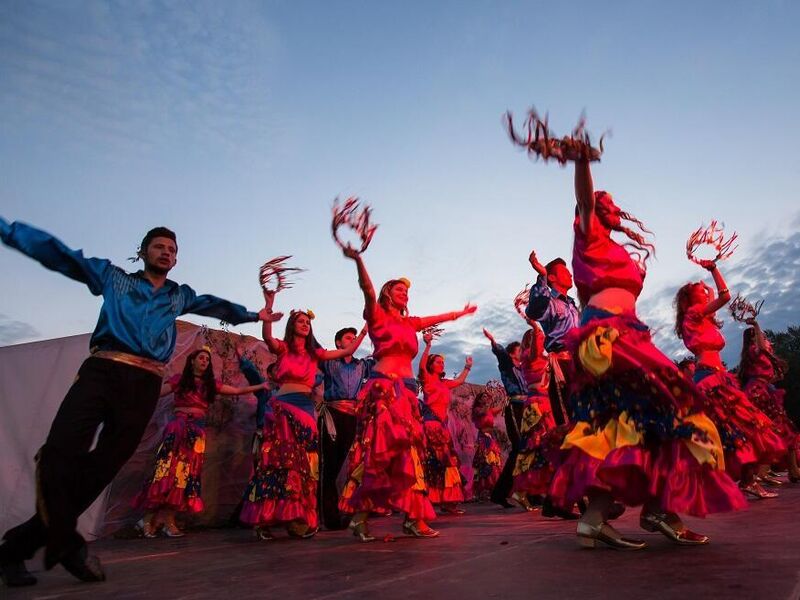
(748, 435)
(384, 466)
(639, 433)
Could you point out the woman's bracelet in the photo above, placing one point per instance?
(723, 291)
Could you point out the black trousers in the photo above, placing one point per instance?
(69, 475)
(333, 453)
(513, 417)
(559, 400)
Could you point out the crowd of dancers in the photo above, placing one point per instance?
(599, 419)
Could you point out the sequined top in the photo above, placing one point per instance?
(392, 336)
(599, 263)
(700, 332)
(195, 398)
(296, 367)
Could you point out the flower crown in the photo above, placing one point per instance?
(207, 349)
(308, 312)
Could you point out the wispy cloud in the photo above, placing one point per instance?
(139, 73)
(770, 271)
(12, 331)
(465, 337)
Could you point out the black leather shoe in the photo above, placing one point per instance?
(14, 574)
(82, 566)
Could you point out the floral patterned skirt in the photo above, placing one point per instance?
(442, 466)
(534, 468)
(487, 463)
(283, 487)
(769, 400)
(175, 481)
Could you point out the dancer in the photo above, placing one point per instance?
(748, 436)
(532, 470)
(384, 466)
(283, 490)
(636, 437)
(488, 457)
(118, 386)
(175, 483)
(550, 305)
(442, 466)
(759, 370)
(509, 363)
(337, 422)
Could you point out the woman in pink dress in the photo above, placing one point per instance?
(174, 485)
(283, 489)
(533, 470)
(639, 436)
(442, 466)
(385, 470)
(748, 435)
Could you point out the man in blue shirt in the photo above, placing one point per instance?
(337, 421)
(556, 312)
(117, 386)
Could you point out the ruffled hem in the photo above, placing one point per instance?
(748, 434)
(635, 475)
(162, 494)
(276, 512)
(533, 482)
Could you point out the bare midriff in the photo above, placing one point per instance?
(710, 359)
(614, 300)
(293, 388)
(395, 365)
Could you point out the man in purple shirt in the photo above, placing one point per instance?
(117, 386)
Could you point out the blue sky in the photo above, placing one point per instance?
(237, 123)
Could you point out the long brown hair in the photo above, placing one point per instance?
(311, 343)
(683, 302)
(746, 359)
(638, 247)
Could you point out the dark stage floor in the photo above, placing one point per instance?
(487, 553)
